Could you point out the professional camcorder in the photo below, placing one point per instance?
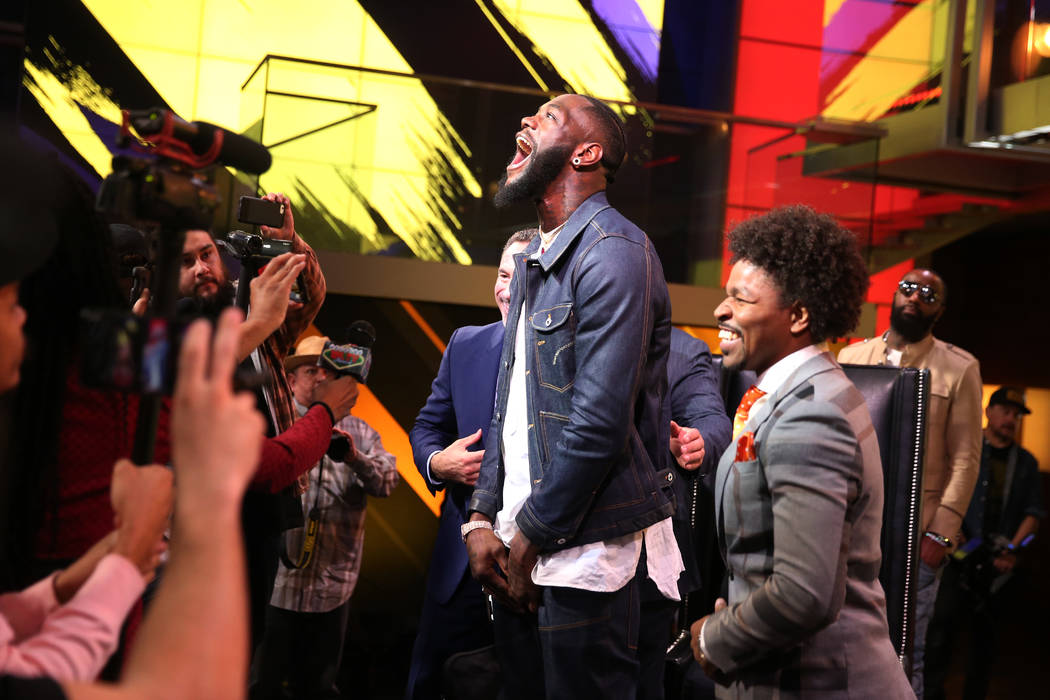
(977, 556)
(173, 172)
(163, 182)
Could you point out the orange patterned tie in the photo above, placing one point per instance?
(753, 394)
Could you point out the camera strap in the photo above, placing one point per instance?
(310, 529)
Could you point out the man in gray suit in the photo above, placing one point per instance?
(798, 495)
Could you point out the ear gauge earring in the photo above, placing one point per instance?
(576, 162)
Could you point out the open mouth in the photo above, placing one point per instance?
(726, 334)
(727, 339)
(522, 153)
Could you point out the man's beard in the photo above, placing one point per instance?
(212, 305)
(911, 328)
(533, 181)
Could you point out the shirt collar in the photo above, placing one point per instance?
(576, 222)
(299, 408)
(771, 380)
(912, 352)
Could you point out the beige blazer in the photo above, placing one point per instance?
(953, 425)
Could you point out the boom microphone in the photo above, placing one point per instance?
(237, 151)
(206, 141)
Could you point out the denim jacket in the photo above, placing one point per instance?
(597, 332)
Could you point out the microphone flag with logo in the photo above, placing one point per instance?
(353, 357)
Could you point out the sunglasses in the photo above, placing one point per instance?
(926, 292)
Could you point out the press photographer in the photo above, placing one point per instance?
(272, 326)
(172, 189)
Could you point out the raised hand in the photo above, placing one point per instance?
(287, 231)
(141, 498)
(687, 446)
(339, 394)
(216, 435)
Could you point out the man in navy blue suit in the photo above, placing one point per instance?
(447, 444)
(700, 432)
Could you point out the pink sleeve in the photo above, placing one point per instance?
(23, 612)
(75, 640)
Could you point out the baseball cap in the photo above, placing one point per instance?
(1009, 395)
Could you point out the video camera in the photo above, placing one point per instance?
(164, 183)
(173, 172)
(254, 251)
(977, 556)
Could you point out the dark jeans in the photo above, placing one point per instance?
(958, 607)
(581, 644)
(461, 624)
(304, 649)
(654, 635)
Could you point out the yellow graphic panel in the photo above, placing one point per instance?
(60, 104)
(565, 35)
(909, 54)
(199, 58)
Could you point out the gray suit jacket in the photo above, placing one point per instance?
(799, 528)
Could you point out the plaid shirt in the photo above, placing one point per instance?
(328, 580)
(272, 352)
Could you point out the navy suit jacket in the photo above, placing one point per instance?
(461, 401)
(694, 402)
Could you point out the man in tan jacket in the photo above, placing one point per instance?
(953, 428)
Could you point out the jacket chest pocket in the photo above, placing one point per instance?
(747, 509)
(554, 333)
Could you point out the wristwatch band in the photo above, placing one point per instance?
(467, 528)
(939, 539)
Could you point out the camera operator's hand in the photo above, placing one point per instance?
(1005, 562)
(338, 394)
(287, 231)
(457, 463)
(142, 499)
(269, 300)
(216, 435)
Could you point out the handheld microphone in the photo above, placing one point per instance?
(354, 357)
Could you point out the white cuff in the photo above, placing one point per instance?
(430, 476)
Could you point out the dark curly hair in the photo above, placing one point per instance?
(812, 260)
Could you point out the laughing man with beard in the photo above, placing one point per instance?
(569, 516)
(953, 429)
